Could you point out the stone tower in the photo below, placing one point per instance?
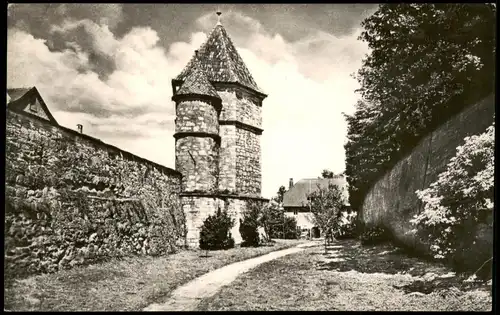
(217, 131)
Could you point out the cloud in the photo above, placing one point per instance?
(309, 86)
(39, 17)
(119, 87)
(132, 103)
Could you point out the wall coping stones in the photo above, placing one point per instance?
(124, 154)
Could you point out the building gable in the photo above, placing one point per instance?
(29, 101)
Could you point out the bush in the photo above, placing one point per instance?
(291, 230)
(287, 229)
(215, 232)
(249, 226)
(346, 225)
(276, 225)
(374, 236)
(459, 203)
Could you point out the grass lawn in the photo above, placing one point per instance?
(122, 285)
(351, 277)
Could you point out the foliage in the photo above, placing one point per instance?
(326, 205)
(461, 198)
(250, 224)
(427, 62)
(327, 173)
(279, 195)
(63, 229)
(270, 218)
(375, 235)
(215, 233)
(276, 224)
(346, 225)
(291, 231)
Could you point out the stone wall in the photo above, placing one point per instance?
(223, 170)
(239, 106)
(227, 158)
(198, 208)
(248, 164)
(196, 116)
(392, 201)
(197, 158)
(240, 160)
(72, 200)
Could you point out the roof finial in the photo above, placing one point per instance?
(218, 17)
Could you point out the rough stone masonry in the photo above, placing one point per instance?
(217, 132)
(73, 200)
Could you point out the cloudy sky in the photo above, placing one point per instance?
(109, 67)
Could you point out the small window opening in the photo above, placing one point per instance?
(32, 107)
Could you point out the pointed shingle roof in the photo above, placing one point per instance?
(220, 61)
(197, 83)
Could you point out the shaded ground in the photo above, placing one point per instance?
(188, 296)
(122, 285)
(351, 278)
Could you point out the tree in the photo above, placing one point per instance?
(327, 173)
(250, 224)
(281, 193)
(270, 218)
(326, 205)
(276, 224)
(427, 62)
(215, 232)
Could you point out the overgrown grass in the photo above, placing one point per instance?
(122, 285)
(350, 277)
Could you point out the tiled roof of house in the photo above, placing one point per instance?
(197, 82)
(297, 195)
(21, 97)
(220, 61)
(17, 93)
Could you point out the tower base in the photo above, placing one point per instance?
(198, 206)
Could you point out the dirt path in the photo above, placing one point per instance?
(187, 297)
(351, 277)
